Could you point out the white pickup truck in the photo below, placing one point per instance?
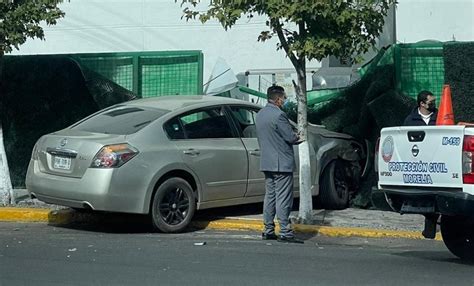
(430, 171)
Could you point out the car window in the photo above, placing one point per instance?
(122, 120)
(174, 129)
(206, 123)
(245, 119)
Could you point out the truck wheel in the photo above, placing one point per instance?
(334, 192)
(458, 235)
(173, 205)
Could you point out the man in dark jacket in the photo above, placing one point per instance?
(425, 113)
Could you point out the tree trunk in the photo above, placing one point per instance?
(306, 202)
(5, 183)
(6, 189)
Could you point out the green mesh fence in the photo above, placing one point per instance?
(150, 74)
(419, 67)
(320, 96)
(117, 69)
(169, 75)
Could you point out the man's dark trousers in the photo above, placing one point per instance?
(278, 201)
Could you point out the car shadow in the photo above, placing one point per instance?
(252, 213)
(117, 223)
(106, 222)
(436, 256)
(232, 211)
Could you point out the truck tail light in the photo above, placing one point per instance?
(113, 156)
(467, 160)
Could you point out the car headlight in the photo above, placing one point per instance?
(113, 156)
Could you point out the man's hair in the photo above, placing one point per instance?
(423, 96)
(274, 92)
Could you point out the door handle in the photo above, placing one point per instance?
(191, 152)
(255, 152)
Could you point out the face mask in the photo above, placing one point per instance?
(431, 107)
(285, 103)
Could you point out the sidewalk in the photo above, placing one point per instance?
(348, 222)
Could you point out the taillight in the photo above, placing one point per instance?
(467, 160)
(113, 156)
(34, 153)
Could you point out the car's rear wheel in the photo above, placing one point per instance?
(458, 235)
(334, 192)
(173, 205)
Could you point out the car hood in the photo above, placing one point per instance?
(318, 130)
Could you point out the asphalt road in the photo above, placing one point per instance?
(38, 254)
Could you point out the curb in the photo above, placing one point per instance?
(65, 216)
(24, 215)
(332, 231)
(35, 215)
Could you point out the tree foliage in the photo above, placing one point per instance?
(22, 19)
(311, 29)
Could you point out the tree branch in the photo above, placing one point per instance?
(284, 43)
(302, 55)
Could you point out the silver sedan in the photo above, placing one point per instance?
(169, 156)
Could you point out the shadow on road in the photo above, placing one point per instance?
(203, 218)
(107, 222)
(234, 211)
(438, 256)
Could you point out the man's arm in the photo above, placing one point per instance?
(285, 129)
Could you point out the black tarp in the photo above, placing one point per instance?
(42, 94)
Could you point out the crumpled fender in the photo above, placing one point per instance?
(330, 146)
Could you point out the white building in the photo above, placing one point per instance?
(93, 26)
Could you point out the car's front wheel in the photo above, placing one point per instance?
(458, 235)
(334, 191)
(173, 205)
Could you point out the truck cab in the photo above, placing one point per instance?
(429, 170)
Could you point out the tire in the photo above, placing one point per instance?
(334, 191)
(173, 206)
(458, 235)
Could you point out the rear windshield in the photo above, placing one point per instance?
(121, 120)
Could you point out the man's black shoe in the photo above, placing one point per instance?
(290, 240)
(270, 236)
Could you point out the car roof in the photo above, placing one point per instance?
(179, 101)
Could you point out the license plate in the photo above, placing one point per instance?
(62, 163)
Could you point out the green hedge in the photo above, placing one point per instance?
(42, 94)
(459, 74)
